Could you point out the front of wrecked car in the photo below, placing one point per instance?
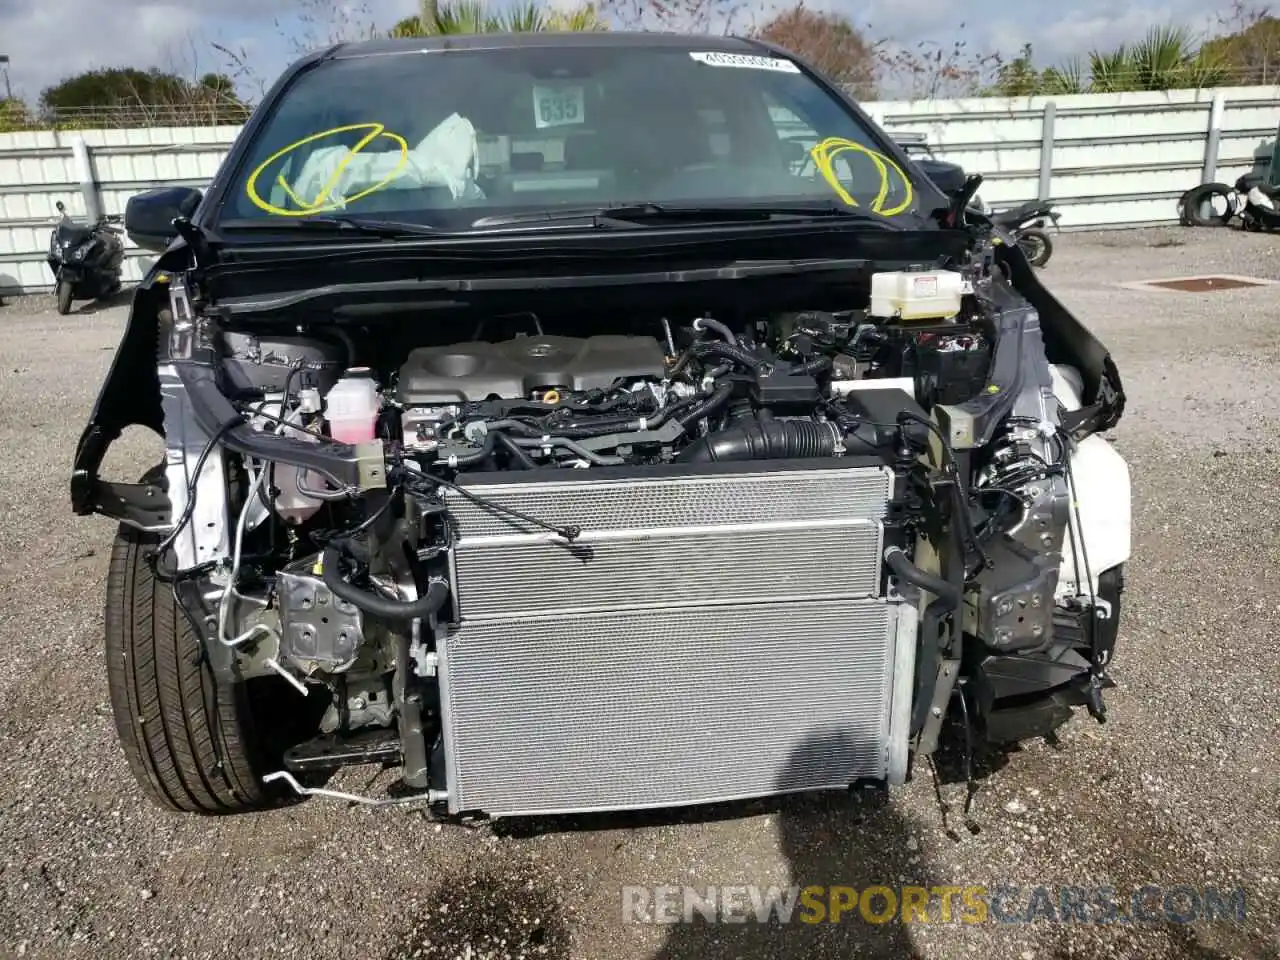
(602, 431)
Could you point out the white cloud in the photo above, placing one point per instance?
(46, 44)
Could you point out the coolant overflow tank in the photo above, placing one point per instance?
(917, 295)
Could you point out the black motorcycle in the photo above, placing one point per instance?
(1027, 224)
(86, 261)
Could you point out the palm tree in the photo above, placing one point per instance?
(428, 15)
(1065, 79)
(1166, 59)
(1108, 72)
(474, 16)
(1160, 60)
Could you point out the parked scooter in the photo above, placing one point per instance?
(1027, 224)
(86, 261)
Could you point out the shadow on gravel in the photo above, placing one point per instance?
(855, 839)
(834, 838)
(120, 298)
(1185, 943)
(955, 764)
(488, 916)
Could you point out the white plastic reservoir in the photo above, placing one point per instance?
(351, 406)
(912, 295)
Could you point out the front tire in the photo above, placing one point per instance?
(188, 738)
(64, 297)
(1036, 246)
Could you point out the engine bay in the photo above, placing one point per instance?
(521, 395)
(410, 490)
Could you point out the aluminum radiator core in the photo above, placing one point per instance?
(708, 637)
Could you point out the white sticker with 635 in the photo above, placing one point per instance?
(558, 106)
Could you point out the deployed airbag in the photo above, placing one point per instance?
(448, 157)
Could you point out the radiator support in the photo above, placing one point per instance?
(712, 636)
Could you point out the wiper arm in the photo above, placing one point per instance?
(372, 228)
(598, 215)
(628, 214)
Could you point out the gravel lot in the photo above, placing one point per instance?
(1181, 786)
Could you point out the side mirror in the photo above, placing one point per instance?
(947, 177)
(149, 216)
(60, 207)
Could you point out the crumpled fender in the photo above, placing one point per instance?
(1068, 341)
(130, 394)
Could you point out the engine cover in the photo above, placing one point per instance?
(511, 369)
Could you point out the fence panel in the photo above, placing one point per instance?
(1110, 160)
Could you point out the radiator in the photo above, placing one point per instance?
(710, 636)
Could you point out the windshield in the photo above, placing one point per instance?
(447, 137)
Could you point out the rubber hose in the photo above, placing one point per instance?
(765, 440)
(719, 397)
(896, 560)
(371, 603)
(486, 448)
(602, 428)
(713, 348)
(706, 323)
(810, 367)
(518, 455)
(1197, 197)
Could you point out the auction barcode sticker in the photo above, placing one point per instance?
(749, 61)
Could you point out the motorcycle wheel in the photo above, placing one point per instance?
(1036, 246)
(64, 297)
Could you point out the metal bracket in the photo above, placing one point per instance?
(948, 673)
(206, 537)
(371, 467)
(143, 506)
(316, 625)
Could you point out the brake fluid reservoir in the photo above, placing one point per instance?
(351, 406)
(917, 295)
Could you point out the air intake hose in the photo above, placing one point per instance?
(767, 440)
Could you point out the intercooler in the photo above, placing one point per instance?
(716, 632)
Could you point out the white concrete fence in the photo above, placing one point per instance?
(1108, 160)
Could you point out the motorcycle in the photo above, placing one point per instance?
(87, 261)
(1027, 225)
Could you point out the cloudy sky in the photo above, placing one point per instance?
(48, 41)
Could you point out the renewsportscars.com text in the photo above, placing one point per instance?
(971, 904)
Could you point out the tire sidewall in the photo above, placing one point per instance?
(1039, 248)
(209, 760)
(64, 294)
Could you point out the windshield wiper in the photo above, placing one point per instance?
(369, 228)
(632, 213)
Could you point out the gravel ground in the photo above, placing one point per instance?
(1181, 786)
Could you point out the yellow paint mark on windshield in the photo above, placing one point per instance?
(824, 156)
(321, 202)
